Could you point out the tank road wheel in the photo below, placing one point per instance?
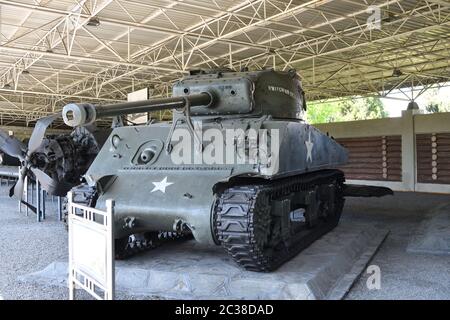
(263, 226)
(134, 244)
(137, 243)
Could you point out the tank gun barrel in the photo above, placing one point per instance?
(75, 114)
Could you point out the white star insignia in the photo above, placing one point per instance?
(309, 148)
(161, 186)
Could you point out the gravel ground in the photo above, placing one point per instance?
(27, 246)
(404, 275)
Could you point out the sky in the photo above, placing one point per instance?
(395, 107)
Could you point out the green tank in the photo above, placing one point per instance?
(237, 167)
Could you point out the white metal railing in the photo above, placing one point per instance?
(91, 250)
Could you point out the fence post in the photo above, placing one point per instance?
(91, 268)
(59, 209)
(38, 201)
(110, 250)
(21, 196)
(71, 282)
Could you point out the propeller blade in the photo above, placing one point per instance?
(11, 145)
(17, 189)
(39, 132)
(44, 179)
(31, 207)
(11, 191)
(52, 186)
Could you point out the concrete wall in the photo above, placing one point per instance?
(411, 123)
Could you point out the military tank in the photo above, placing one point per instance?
(237, 167)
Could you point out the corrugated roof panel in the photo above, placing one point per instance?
(413, 35)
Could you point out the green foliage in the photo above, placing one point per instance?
(346, 110)
(436, 100)
(433, 108)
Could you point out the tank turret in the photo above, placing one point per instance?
(277, 94)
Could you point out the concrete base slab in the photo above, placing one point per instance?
(325, 270)
(433, 234)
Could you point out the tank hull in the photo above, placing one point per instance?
(163, 193)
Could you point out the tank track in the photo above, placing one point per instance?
(244, 225)
(128, 246)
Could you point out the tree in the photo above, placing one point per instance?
(433, 108)
(436, 100)
(324, 112)
(346, 110)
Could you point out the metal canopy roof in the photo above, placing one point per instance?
(52, 52)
